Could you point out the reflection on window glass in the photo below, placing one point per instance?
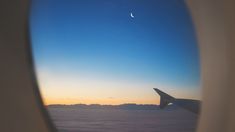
(97, 62)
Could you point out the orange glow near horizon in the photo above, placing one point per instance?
(68, 89)
(98, 101)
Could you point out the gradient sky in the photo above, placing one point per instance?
(93, 51)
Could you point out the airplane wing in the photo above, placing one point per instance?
(188, 104)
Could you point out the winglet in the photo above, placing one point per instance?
(165, 99)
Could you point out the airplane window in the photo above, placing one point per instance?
(117, 65)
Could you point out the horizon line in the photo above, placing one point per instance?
(100, 104)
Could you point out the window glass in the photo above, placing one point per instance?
(97, 62)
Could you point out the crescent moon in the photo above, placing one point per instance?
(132, 16)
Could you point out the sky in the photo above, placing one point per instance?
(114, 51)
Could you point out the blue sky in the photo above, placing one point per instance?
(79, 43)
